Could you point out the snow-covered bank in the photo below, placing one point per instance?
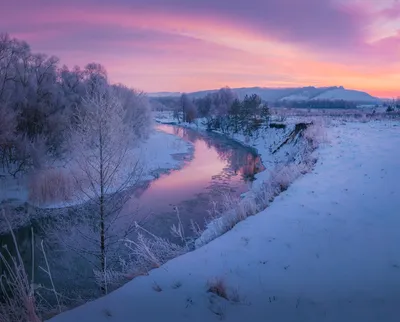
(160, 153)
(265, 144)
(325, 250)
(286, 152)
(163, 152)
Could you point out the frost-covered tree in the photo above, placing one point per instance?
(137, 108)
(101, 142)
(43, 100)
(234, 115)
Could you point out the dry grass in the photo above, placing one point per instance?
(149, 252)
(51, 186)
(283, 176)
(218, 287)
(19, 301)
(176, 285)
(21, 296)
(235, 296)
(156, 287)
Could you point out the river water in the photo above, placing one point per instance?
(218, 166)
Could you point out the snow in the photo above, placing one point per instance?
(296, 97)
(325, 250)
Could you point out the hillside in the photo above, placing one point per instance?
(346, 94)
(290, 94)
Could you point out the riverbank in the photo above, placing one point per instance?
(325, 250)
(286, 151)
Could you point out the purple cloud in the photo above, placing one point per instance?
(311, 22)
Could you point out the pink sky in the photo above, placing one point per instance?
(189, 45)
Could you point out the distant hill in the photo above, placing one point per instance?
(291, 94)
(164, 94)
(347, 95)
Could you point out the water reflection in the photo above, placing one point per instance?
(218, 166)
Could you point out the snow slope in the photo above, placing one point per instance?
(327, 249)
(345, 94)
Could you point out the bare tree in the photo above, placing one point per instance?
(106, 168)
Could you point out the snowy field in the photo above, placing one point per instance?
(327, 249)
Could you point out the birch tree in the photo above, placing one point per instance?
(102, 142)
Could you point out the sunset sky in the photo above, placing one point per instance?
(188, 45)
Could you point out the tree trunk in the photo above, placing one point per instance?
(102, 232)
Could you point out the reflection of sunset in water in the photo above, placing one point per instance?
(218, 165)
(213, 160)
(184, 183)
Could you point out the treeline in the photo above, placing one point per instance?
(392, 105)
(38, 101)
(316, 104)
(224, 111)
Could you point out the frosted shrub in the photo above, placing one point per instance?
(225, 215)
(283, 176)
(108, 278)
(146, 253)
(266, 195)
(50, 186)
